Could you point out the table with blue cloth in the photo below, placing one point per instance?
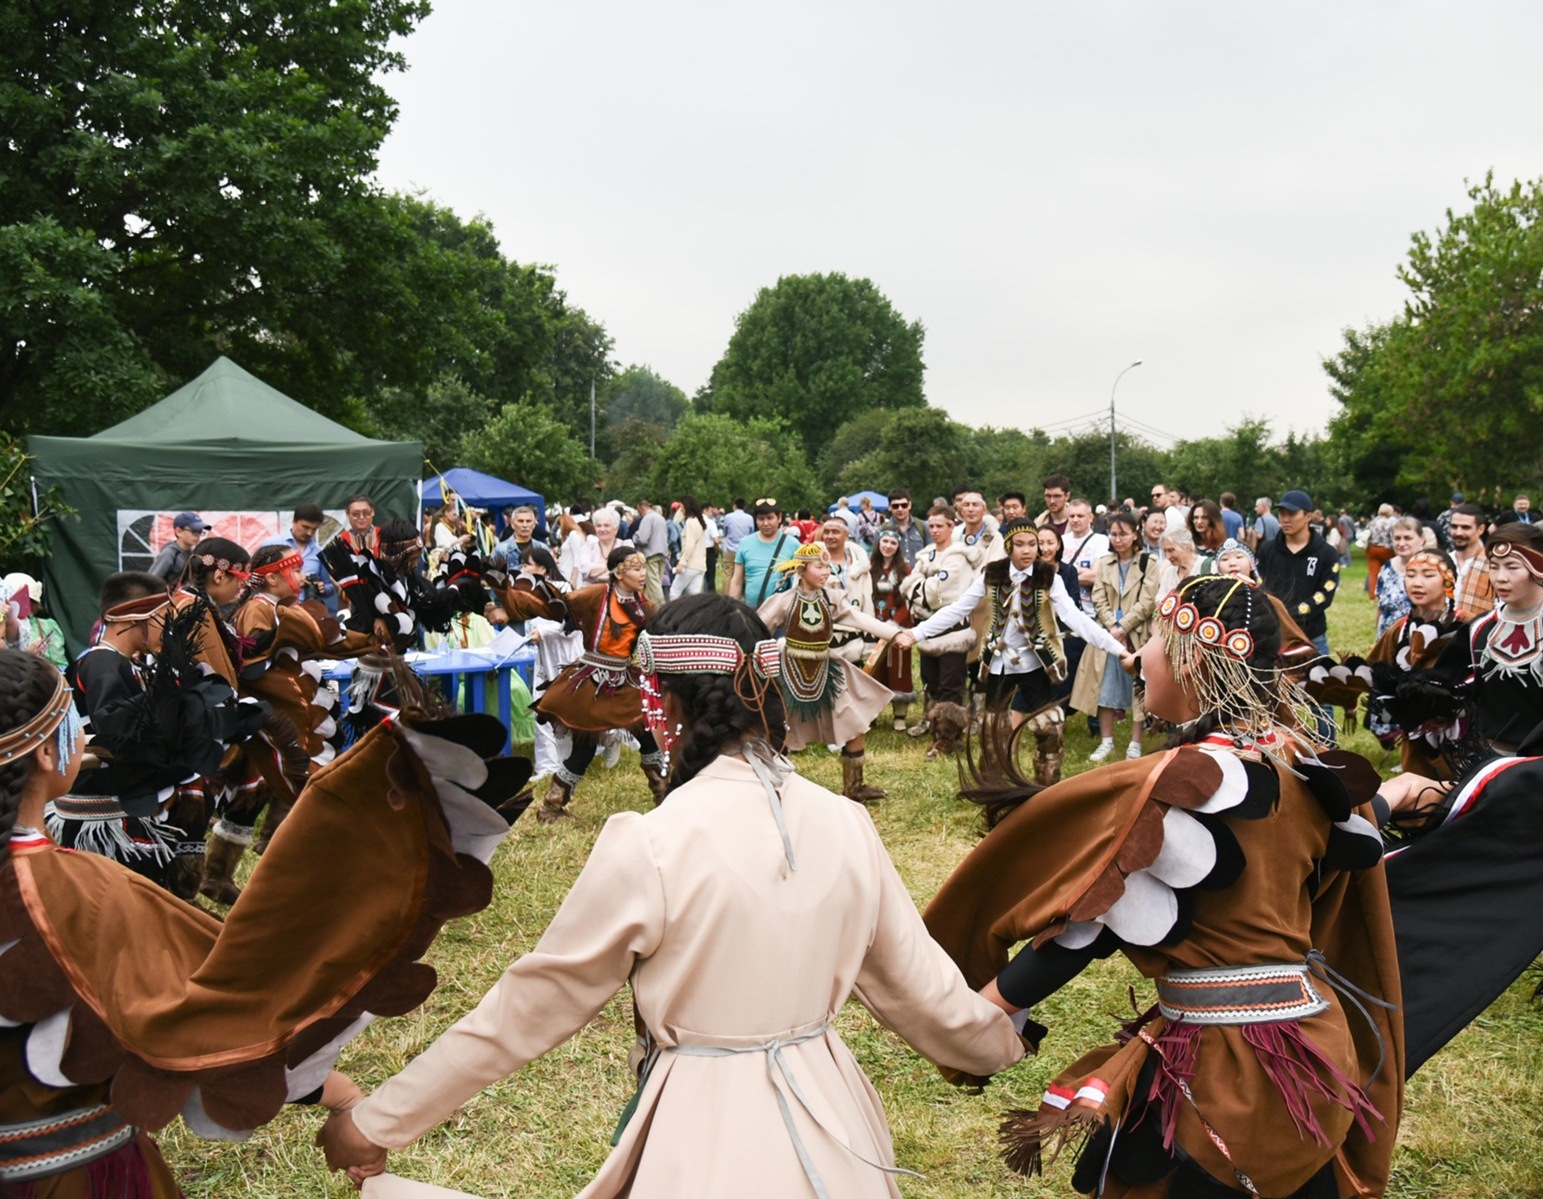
(506, 676)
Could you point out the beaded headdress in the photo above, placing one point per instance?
(813, 551)
(702, 653)
(1442, 565)
(229, 566)
(136, 609)
(59, 717)
(631, 561)
(1218, 665)
(1530, 558)
(290, 566)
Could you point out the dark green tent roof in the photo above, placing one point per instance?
(227, 404)
(225, 442)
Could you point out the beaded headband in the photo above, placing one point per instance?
(1233, 546)
(282, 566)
(142, 608)
(1530, 558)
(58, 716)
(224, 564)
(630, 561)
(703, 653)
(1442, 565)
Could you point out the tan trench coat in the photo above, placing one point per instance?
(1137, 603)
(726, 947)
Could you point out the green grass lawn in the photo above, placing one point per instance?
(1470, 1124)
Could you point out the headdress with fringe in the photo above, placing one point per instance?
(1220, 666)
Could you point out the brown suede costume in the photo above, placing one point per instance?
(1282, 886)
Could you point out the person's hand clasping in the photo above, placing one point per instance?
(346, 1148)
(904, 639)
(1406, 791)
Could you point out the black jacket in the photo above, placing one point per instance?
(1304, 581)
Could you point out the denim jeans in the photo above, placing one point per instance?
(1327, 728)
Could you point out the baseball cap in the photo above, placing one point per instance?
(1297, 500)
(188, 520)
(1458, 497)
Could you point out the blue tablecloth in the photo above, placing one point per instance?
(462, 666)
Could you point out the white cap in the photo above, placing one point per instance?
(16, 581)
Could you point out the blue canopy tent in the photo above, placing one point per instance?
(880, 501)
(481, 491)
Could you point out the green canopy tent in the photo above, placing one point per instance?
(226, 446)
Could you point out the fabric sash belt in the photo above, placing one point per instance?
(777, 1067)
(64, 1141)
(1240, 994)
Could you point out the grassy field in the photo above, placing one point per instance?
(1470, 1125)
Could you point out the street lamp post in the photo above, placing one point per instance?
(1114, 490)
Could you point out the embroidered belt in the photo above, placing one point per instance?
(64, 1141)
(604, 661)
(807, 649)
(89, 807)
(1239, 994)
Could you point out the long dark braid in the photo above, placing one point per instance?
(27, 683)
(720, 710)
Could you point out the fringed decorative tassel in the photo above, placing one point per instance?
(1300, 1070)
(1025, 1135)
(1177, 1044)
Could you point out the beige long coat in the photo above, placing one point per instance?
(1136, 603)
(726, 946)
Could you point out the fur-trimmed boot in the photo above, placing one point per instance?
(554, 804)
(1049, 730)
(921, 728)
(977, 713)
(902, 710)
(656, 770)
(227, 842)
(278, 808)
(187, 869)
(852, 785)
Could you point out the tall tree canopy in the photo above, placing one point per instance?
(1465, 357)
(815, 351)
(195, 181)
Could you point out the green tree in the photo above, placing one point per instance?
(527, 444)
(1452, 388)
(814, 352)
(197, 182)
(24, 531)
(919, 449)
(1242, 460)
(716, 457)
(1009, 460)
(1085, 460)
(441, 416)
(631, 404)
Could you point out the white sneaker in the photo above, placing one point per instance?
(1133, 751)
(1105, 748)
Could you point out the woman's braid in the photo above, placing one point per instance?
(720, 717)
(718, 710)
(27, 683)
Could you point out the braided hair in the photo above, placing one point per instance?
(719, 710)
(199, 574)
(27, 683)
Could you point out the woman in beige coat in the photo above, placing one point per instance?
(744, 911)
(1125, 593)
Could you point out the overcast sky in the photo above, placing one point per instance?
(1052, 190)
